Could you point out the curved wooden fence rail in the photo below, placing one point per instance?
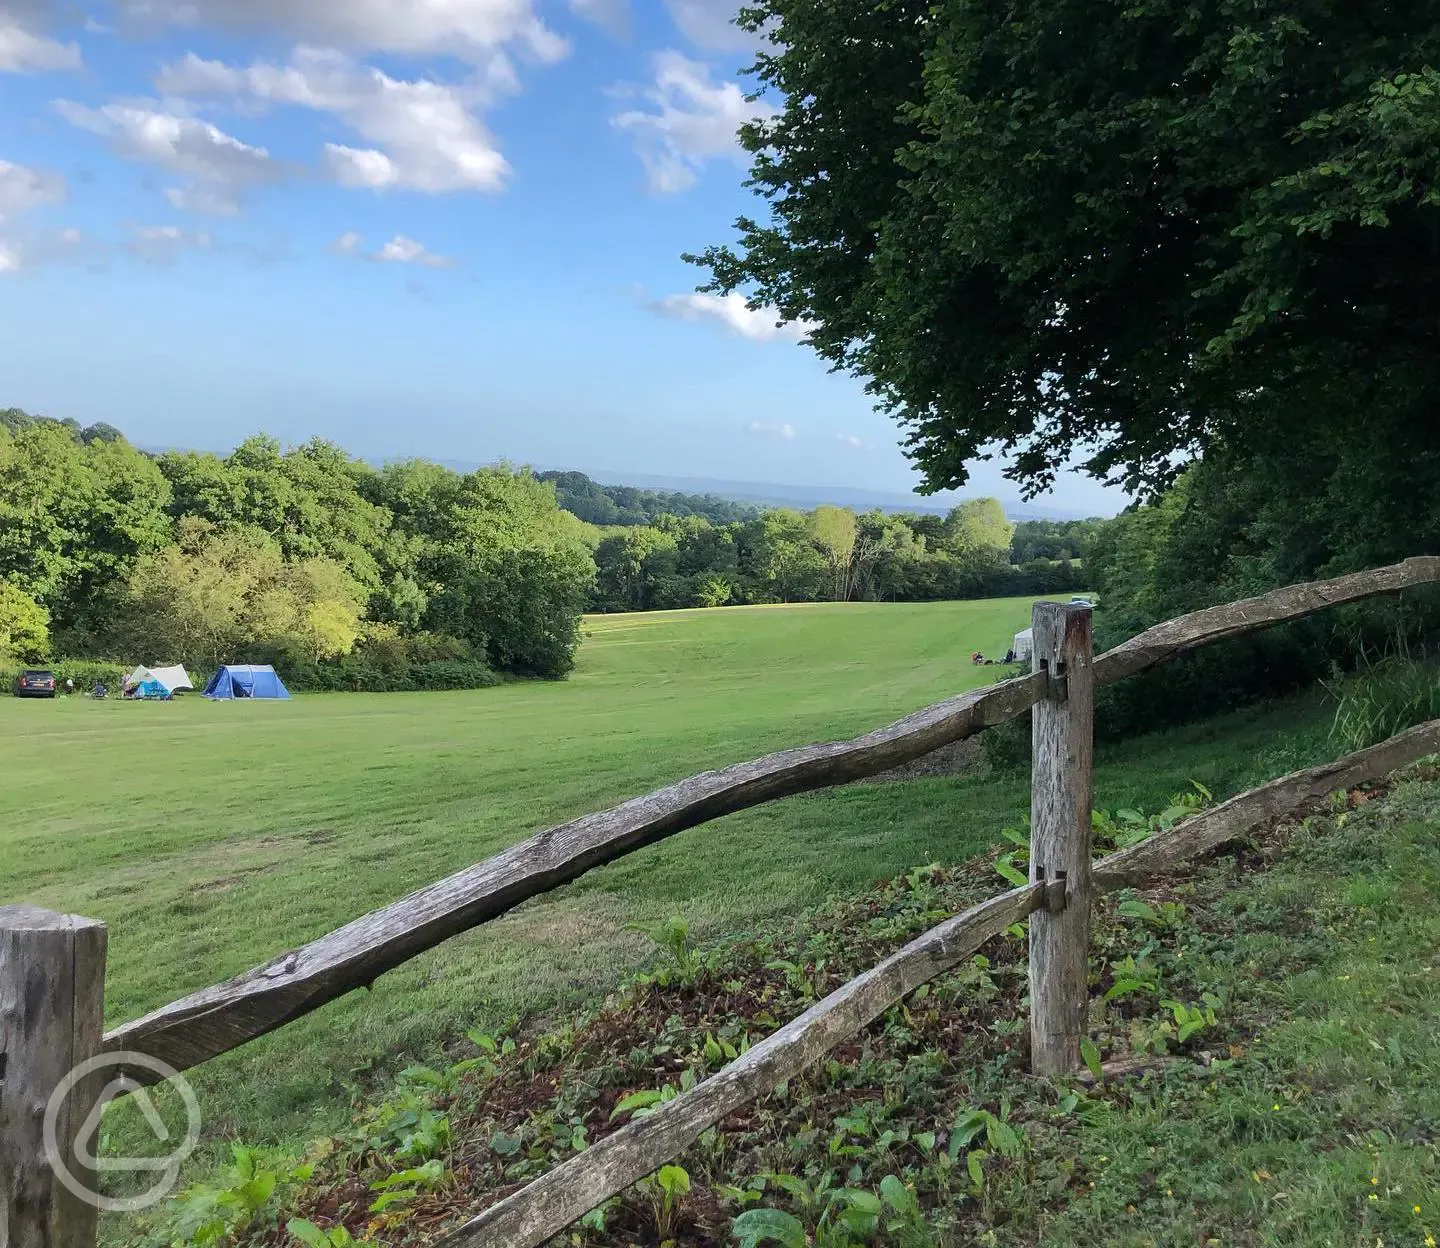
(216, 1020)
(552, 1202)
(51, 966)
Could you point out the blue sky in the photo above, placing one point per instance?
(448, 228)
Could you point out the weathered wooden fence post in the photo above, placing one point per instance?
(52, 991)
(1061, 793)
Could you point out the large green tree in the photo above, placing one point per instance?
(24, 626)
(74, 518)
(225, 595)
(1129, 231)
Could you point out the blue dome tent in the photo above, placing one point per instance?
(245, 680)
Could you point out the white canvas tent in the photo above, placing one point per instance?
(175, 678)
(1024, 646)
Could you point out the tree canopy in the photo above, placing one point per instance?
(1131, 232)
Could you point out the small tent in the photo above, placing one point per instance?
(246, 680)
(1023, 645)
(149, 688)
(175, 679)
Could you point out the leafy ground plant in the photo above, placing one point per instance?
(1284, 1016)
(1383, 698)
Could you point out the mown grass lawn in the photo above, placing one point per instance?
(1300, 1107)
(211, 837)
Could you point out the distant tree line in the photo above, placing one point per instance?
(341, 574)
(417, 576)
(605, 505)
(828, 554)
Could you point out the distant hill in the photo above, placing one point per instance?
(613, 498)
(631, 505)
(802, 497)
(806, 497)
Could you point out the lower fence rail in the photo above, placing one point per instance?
(549, 1204)
(52, 966)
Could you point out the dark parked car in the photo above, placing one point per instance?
(35, 683)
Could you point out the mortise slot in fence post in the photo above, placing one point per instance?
(52, 990)
(1061, 794)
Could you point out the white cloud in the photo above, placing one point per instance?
(771, 429)
(220, 168)
(693, 120)
(163, 244)
(732, 311)
(402, 250)
(399, 250)
(21, 51)
(22, 189)
(425, 135)
(23, 48)
(849, 439)
(35, 248)
(710, 24)
(468, 29)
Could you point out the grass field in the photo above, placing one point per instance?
(1298, 1107)
(210, 837)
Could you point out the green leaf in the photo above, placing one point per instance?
(975, 1164)
(768, 1226)
(505, 1145)
(792, 1186)
(673, 1180)
(307, 1232)
(636, 1100)
(865, 1202)
(966, 1128)
(1090, 1055)
(1124, 987)
(258, 1190)
(1004, 866)
(895, 1194)
(1134, 908)
(1003, 1138)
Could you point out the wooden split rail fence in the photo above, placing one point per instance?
(52, 966)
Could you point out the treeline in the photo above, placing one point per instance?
(1235, 526)
(414, 575)
(829, 554)
(342, 575)
(606, 505)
